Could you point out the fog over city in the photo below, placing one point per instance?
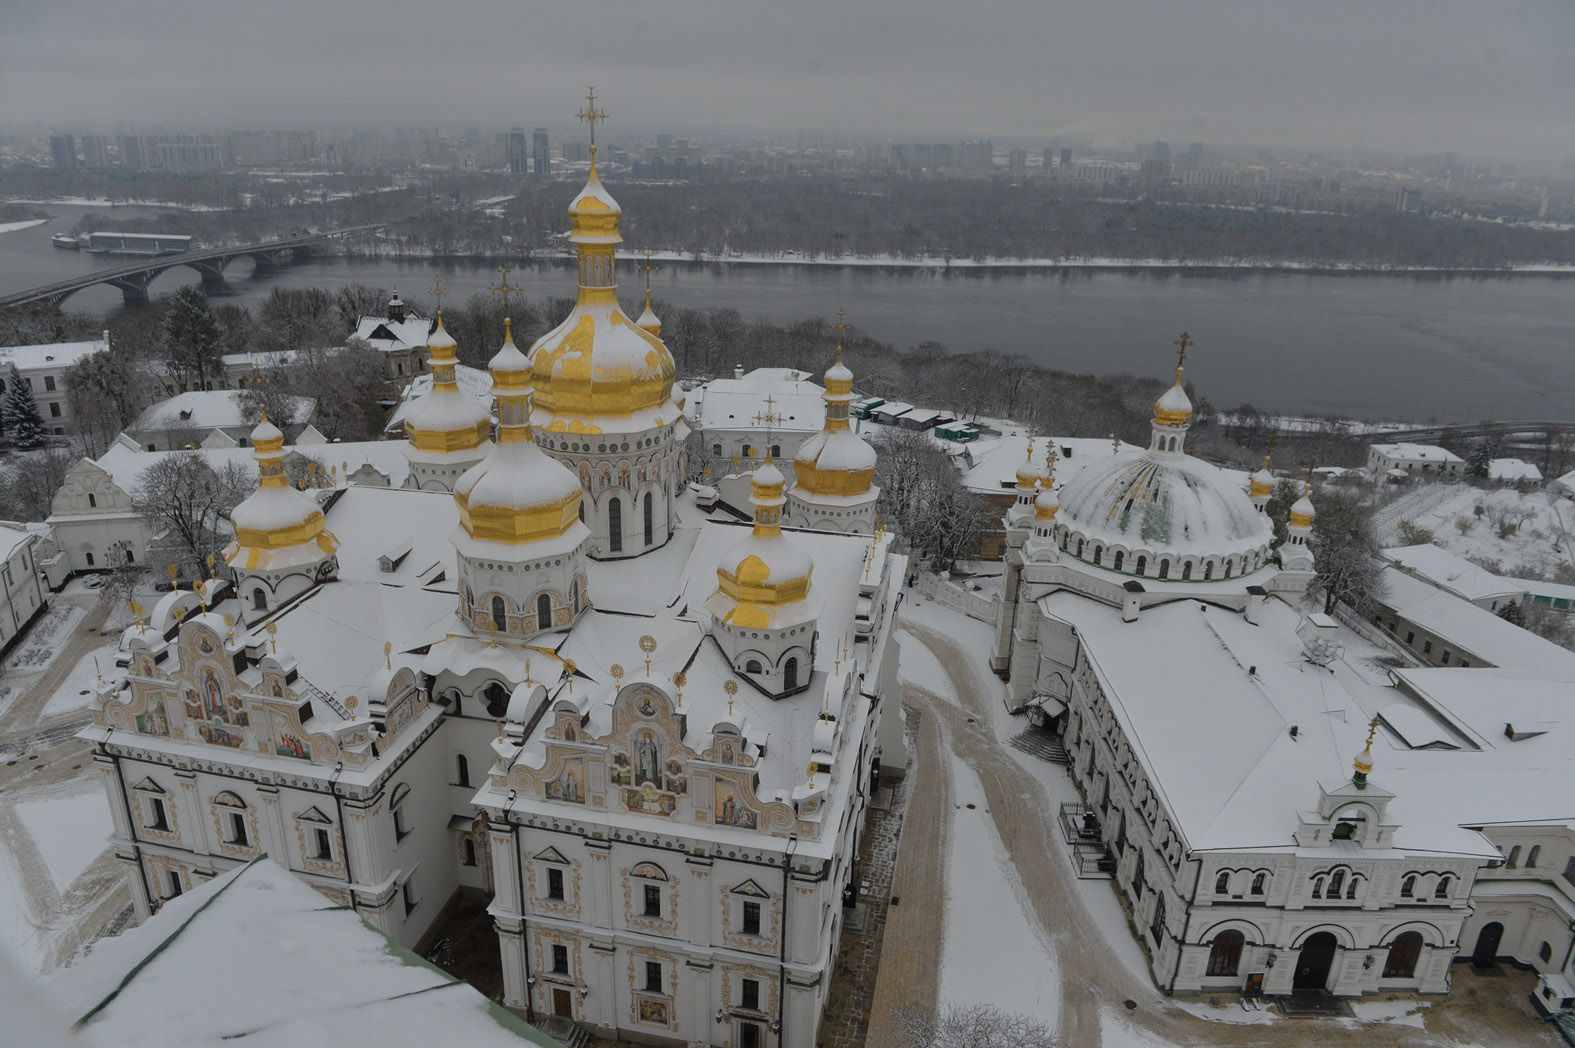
(1479, 79)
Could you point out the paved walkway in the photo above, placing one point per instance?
(1095, 983)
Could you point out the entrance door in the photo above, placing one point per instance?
(1487, 945)
(749, 1035)
(1312, 964)
(562, 1003)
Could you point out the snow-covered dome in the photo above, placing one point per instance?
(1261, 483)
(763, 578)
(1046, 504)
(517, 493)
(447, 420)
(1140, 500)
(1302, 512)
(276, 526)
(835, 463)
(599, 371)
(1174, 407)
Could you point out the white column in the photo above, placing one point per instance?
(509, 946)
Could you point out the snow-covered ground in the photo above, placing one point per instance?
(70, 826)
(76, 691)
(30, 659)
(26, 223)
(1537, 548)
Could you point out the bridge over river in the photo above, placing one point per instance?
(133, 278)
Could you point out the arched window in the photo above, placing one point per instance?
(1514, 857)
(1350, 893)
(500, 614)
(1532, 856)
(1230, 567)
(461, 770)
(470, 851)
(497, 697)
(544, 612)
(1222, 883)
(1225, 954)
(1442, 891)
(1336, 883)
(574, 595)
(1403, 954)
(1156, 927)
(396, 807)
(1164, 569)
(790, 674)
(1317, 892)
(1099, 552)
(1142, 564)
(1208, 571)
(1186, 572)
(1137, 874)
(259, 599)
(1545, 952)
(716, 449)
(1408, 886)
(1078, 553)
(650, 512)
(615, 524)
(1120, 556)
(1259, 883)
(776, 451)
(753, 666)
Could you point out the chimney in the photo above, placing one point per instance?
(1131, 600)
(738, 371)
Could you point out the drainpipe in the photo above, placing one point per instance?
(125, 801)
(519, 887)
(1197, 881)
(344, 838)
(787, 863)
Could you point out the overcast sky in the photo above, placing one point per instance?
(1480, 77)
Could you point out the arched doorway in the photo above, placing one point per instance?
(1487, 945)
(1403, 955)
(1312, 964)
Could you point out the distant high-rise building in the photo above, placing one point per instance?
(188, 152)
(540, 152)
(664, 143)
(132, 155)
(95, 151)
(472, 138)
(63, 152)
(1160, 151)
(1066, 158)
(1194, 158)
(1017, 161)
(516, 151)
(1408, 199)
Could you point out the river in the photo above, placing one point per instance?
(1375, 346)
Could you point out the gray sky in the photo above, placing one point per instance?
(1485, 77)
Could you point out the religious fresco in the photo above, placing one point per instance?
(212, 696)
(729, 810)
(194, 710)
(653, 1010)
(569, 785)
(647, 759)
(648, 800)
(286, 743)
(220, 734)
(153, 721)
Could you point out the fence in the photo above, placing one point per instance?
(955, 597)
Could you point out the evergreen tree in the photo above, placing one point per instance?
(192, 337)
(1278, 508)
(20, 413)
(1479, 459)
(1513, 612)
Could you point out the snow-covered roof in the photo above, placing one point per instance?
(392, 336)
(205, 409)
(1452, 572)
(12, 539)
(1416, 452)
(304, 971)
(49, 354)
(1209, 709)
(1476, 634)
(473, 383)
(990, 464)
(1513, 469)
(734, 403)
(125, 465)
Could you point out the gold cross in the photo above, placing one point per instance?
(438, 291)
(503, 288)
(590, 114)
(1268, 455)
(648, 267)
(769, 418)
(1181, 349)
(1372, 730)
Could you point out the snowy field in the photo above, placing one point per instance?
(70, 826)
(76, 692)
(26, 223)
(1537, 548)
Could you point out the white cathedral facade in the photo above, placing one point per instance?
(540, 672)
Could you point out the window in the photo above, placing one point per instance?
(396, 807)
(92, 501)
(175, 885)
(1259, 882)
(49, 383)
(89, 557)
(776, 451)
(653, 976)
(751, 918)
(461, 770)
(555, 884)
(156, 817)
(1545, 952)
(649, 510)
(500, 614)
(1156, 928)
(653, 901)
(753, 666)
(790, 671)
(615, 524)
(1120, 556)
(1164, 569)
(560, 959)
(237, 821)
(1403, 954)
(574, 594)
(751, 995)
(1532, 856)
(1225, 954)
(497, 697)
(407, 892)
(1137, 875)
(1317, 892)
(1142, 564)
(1186, 571)
(1442, 891)
(1222, 884)
(1445, 659)
(1427, 647)
(716, 449)
(468, 851)
(322, 844)
(54, 409)
(1514, 857)
(1408, 886)
(259, 600)
(1336, 883)
(544, 612)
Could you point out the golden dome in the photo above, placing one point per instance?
(1302, 511)
(765, 571)
(276, 526)
(1046, 504)
(1261, 484)
(517, 494)
(836, 461)
(447, 420)
(1174, 407)
(598, 365)
(1028, 475)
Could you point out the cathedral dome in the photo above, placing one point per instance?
(1174, 407)
(447, 420)
(276, 526)
(1302, 512)
(765, 574)
(599, 371)
(1140, 500)
(517, 493)
(1261, 483)
(1046, 505)
(835, 463)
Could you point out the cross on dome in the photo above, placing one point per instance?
(438, 291)
(591, 115)
(503, 288)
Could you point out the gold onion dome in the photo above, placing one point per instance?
(1261, 483)
(599, 369)
(649, 322)
(1028, 474)
(836, 461)
(276, 526)
(1302, 511)
(447, 420)
(765, 574)
(517, 494)
(1174, 407)
(1046, 503)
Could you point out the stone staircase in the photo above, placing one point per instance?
(1041, 744)
(565, 1031)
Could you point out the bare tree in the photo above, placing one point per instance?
(185, 504)
(973, 1026)
(923, 500)
(1345, 550)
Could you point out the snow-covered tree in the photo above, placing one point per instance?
(192, 337)
(1278, 509)
(184, 501)
(1513, 613)
(973, 1026)
(19, 413)
(1345, 549)
(1479, 458)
